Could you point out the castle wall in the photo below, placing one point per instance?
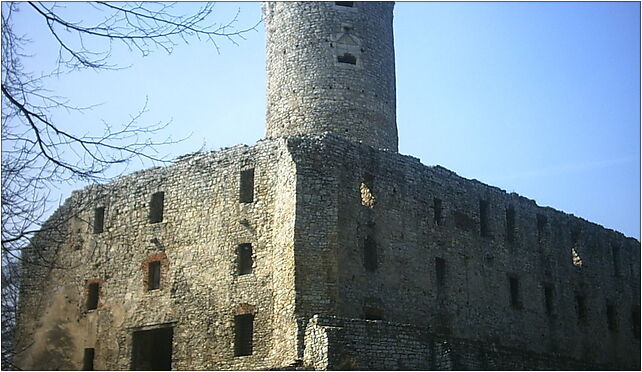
(309, 91)
(347, 344)
(490, 287)
(200, 290)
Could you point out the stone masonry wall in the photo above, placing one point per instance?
(309, 91)
(434, 267)
(200, 289)
(348, 344)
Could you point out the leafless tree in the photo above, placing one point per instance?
(39, 152)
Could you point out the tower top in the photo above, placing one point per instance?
(331, 68)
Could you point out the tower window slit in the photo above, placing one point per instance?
(510, 224)
(515, 300)
(347, 4)
(611, 317)
(541, 225)
(156, 207)
(245, 259)
(635, 321)
(580, 303)
(154, 274)
(93, 292)
(244, 331)
(440, 271)
(246, 186)
(484, 229)
(370, 254)
(437, 206)
(548, 299)
(99, 219)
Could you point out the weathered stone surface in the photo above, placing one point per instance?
(360, 257)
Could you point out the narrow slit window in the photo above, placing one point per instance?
(156, 207)
(154, 275)
(611, 317)
(615, 252)
(347, 4)
(93, 292)
(541, 225)
(484, 229)
(244, 331)
(635, 321)
(580, 307)
(437, 206)
(99, 219)
(549, 299)
(515, 300)
(347, 58)
(246, 186)
(88, 359)
(370, 254)
(245, 259)
(440, 272)
(510, 224)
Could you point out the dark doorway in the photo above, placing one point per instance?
(152, 350)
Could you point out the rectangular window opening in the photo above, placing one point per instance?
(549, 299)
(93, 292)
(541, 225)
(245, 259)
(611, 317)
(88, 360)
(515, 300)
(371, 313)
(437, 206)
(580, 303)
(510, 224)
(246, 186)
(99, 219)
(244, 330)
(484, 229)
(615, 252)
(370, 254)
(156, 207)
(440, 271)
(348, 4)
(154, 275)
(347, 58)
(152, 349)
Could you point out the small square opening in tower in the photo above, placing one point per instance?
(244, 332)
(246, 186)
(93, 291)
(244, 258)
(372, 313)
(347, 58)
(99, 219)
(156, 206)
(153, 275)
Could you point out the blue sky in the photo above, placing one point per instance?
(541, 99)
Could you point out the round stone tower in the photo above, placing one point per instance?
(331, 68)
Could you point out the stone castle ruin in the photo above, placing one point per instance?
(321, 247)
